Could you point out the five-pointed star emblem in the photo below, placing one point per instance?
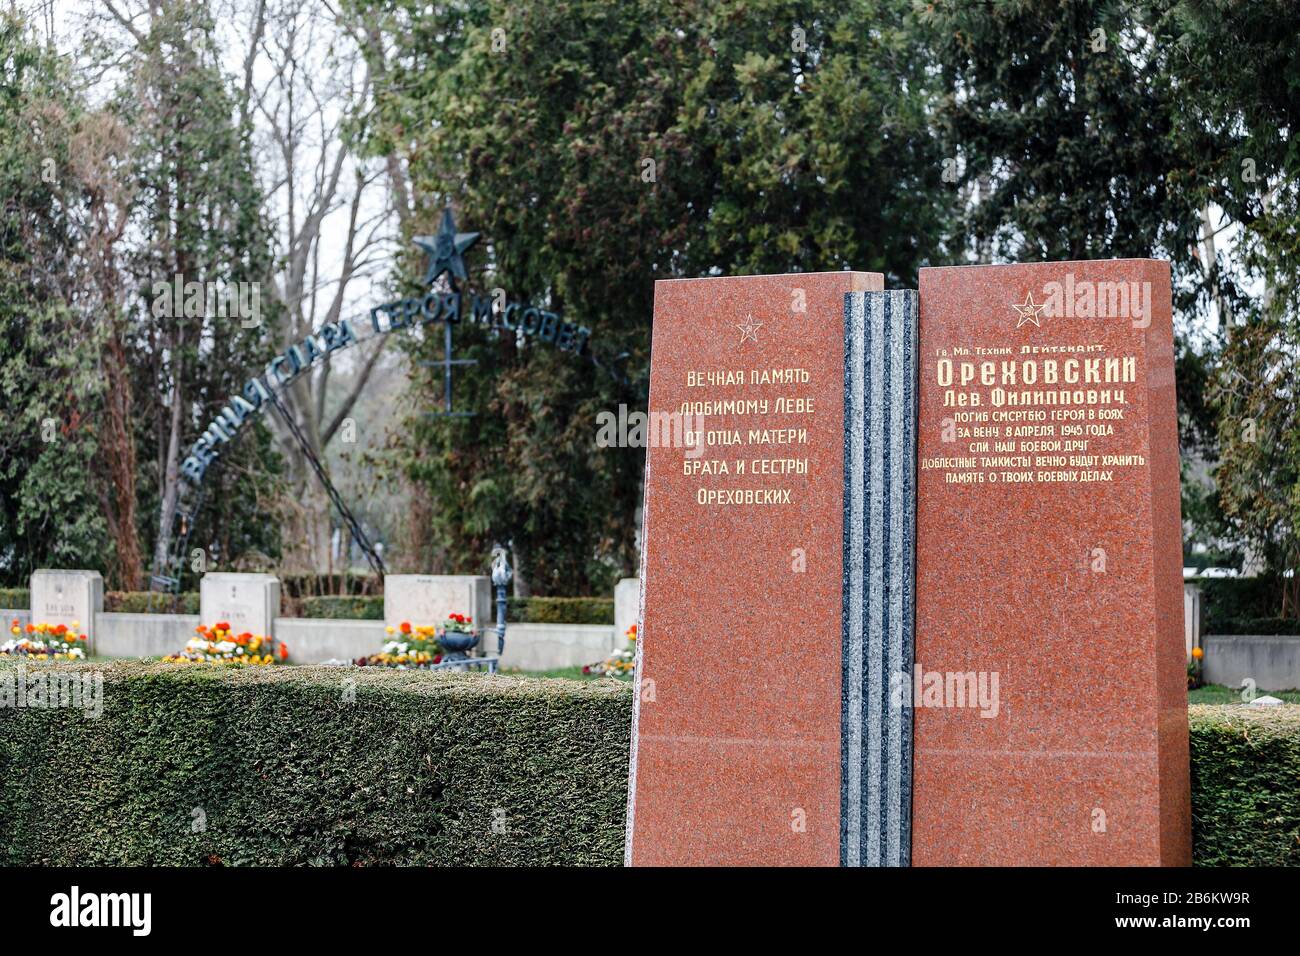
(1028, 311)
(749, 331)
(445, 249)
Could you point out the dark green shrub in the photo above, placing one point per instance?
(1243, 606)
(1245, 785)
(357, 605)
(1262, 625)
(355, 608)
(419, 768)
(560, 610)
(120, 602)
(531, 610)
(143, 602)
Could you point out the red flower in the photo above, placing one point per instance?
(284, 650)
(61, 629)
(406, 627)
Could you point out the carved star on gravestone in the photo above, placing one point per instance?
(1028, 311)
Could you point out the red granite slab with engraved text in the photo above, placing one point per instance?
(1086, 762)
(737, 734)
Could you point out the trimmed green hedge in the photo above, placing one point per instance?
(350, 608)
(420, 768)
(355, 607)
(1243, 606)
(560, 610)
(1245, 785)
(122, 602)
(143, 602)
(436, 769)
(530, 610)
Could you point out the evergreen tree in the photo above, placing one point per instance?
(198, 206)
(1238, 70)
(598, 148)
(50, 394)
(1059, 121)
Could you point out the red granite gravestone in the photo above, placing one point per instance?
(736, 739)
(1049, 570)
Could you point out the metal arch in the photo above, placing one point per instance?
(375, 560)
(167, 579)
(445, 251)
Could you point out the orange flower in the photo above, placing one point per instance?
(61, 629)
(1197, 653)
(31, 628)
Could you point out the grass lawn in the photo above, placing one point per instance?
(1218, 694)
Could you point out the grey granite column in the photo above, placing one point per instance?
(880, 369)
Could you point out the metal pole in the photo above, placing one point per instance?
(501, 575)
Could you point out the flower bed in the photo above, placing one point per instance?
(621, 664)
(45, 642)
(217, 645)
(420, 646)
(408, 646)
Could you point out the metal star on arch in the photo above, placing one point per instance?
(446, 249)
